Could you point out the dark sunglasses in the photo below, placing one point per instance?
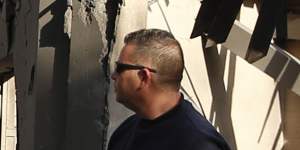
(120, 67)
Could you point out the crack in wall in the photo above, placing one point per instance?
(89, 12)
(90, 9)
(86, 10)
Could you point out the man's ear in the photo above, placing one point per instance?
(144, 75)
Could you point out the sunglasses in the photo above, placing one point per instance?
(120, 67)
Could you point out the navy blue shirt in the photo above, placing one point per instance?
(181, 128)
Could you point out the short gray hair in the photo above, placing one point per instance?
(162, 50)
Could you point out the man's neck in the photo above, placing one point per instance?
(159, 104)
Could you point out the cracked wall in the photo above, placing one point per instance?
(60, 55)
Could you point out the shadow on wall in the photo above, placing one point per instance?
(285, 71)
(52, 100)
(280, 69)
(222, 100)
(51, 32)
(282, 96)
(8, 10)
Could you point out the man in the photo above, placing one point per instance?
(147, 80)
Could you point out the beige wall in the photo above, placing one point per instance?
(291, 121)
(241, 101)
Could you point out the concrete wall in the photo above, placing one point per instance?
(71, 82)
(61, 91)
(87, 83)
(24, 45)
(51, 77)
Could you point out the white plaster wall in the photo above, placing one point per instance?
(241, 101)
(8, 120)
(251, 95)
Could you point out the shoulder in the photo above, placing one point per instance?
(203, 134)
(127, 123)
(195, 118)
(123, 129)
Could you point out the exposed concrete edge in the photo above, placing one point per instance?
(278, 64)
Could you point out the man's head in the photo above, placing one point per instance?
(153, 56)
